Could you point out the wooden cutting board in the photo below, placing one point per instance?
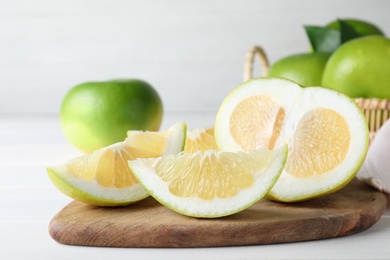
(149, 224)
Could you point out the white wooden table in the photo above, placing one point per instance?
(28, 201)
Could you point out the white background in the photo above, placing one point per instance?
(192, 51)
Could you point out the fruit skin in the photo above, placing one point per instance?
(75, 193)
(96, 114)
(363, 28)
(306, 69)
(360, 68)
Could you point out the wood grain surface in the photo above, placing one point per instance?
(149, 224)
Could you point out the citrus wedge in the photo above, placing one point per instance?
(325, 130)
(103, 178)
(210, 184)
(200, 140)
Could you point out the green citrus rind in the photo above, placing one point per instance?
(119, 197)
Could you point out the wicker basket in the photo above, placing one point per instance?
(377, 111)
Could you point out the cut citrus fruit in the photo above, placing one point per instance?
(325, 130)
(103, 178)
(200, 140)
(210, 184)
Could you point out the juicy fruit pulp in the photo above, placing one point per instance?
(200, 140)
(265, 123)
(327, 148)
(210, 184)
(305, 69)
(97, 114)
(360, 68)
(103, 177)
(326, 133)
(106, 166)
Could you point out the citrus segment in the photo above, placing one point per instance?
(154, 144)
(238, 128)
(320, 143)
(211, 183)
(146, 145)
(325, 130)
(100, 178)
(103, 178)
(200, 140)
(210, 130)
(263, 128)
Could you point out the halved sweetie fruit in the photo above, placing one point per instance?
(326, 133)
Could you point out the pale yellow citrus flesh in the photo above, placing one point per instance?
(210, 130)
(320, 143)
(152, 145)
(261, 129)
(200, 140)
(209, 176)
(109, 166)
(102, 178)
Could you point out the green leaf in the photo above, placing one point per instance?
(347, 31)
(323, 39)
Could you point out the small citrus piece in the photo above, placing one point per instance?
(210, 184)
(200, 140)
(103, 177)
(325, 130)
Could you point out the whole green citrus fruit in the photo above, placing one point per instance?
(305, 69)
(360, 68)
(363, 28)
(97, 114)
